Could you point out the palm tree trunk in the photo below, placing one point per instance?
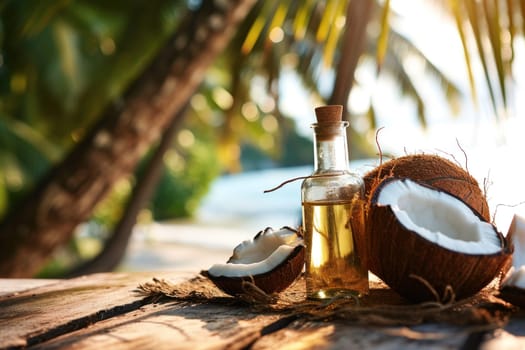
(67, 196)
(358, 15)
(115, 247)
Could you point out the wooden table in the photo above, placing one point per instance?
(105, 311)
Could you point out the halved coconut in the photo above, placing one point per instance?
(425, 242)
(434, 171)
(272, 260)
(512, 287)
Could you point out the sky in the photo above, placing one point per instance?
(490, 148)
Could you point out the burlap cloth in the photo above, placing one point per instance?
(382, 307)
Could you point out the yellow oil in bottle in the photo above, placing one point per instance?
(334, 255)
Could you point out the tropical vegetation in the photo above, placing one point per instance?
(101, 101)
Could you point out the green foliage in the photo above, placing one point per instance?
(3, 196)
(109, 211)
(65, 61)
(24, 157)
(186, 179)
(61, 63)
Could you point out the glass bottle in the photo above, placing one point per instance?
(333, 219)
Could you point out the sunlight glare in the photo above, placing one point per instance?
(340, 22)
(317, 251)
(250, 111)
(13, 177)
(222, 98)
(107, 46)
(359, 100)
(276, 35)
(198, 102)
(269, 123)
(268, 105)
(174, 161)
(186, 138)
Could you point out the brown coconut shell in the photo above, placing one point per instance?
(273, 281)
(509, 293)
(513, 295)
(417, 268)
(434, 171)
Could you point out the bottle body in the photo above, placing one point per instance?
(333, 223)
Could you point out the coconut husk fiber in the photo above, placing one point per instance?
(434, 171)
(382, 307)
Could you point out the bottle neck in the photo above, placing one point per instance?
(330, 147)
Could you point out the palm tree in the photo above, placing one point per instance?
(315, 38)
(499, 22)
(67, 196)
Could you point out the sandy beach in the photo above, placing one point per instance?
(236, 208)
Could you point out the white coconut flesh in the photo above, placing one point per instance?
(515, 277)
(265, 252)
(439, 217)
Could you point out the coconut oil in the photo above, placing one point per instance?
(334, 265)
(333, 224)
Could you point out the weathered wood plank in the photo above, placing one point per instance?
(10, 286)
(103, 311)
(338, 335)
(169, 326)
(35, 315)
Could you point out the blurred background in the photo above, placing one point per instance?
(441, 77)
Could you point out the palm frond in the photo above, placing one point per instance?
(512, 27)
(320, 22)
(459, 19)
(332, 39)
(25, 155)
(302, 18)
(522, 9)
(408, 88)
(492, 17)
(402, 46)
(382, 41)
(473, 11)
(257, 30)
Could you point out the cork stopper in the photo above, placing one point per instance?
(329, 114)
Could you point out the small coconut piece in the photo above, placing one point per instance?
(425, 243)
(272, 261)
(512, 287)
(434, 171)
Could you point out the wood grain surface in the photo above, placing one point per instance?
(105, 311)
